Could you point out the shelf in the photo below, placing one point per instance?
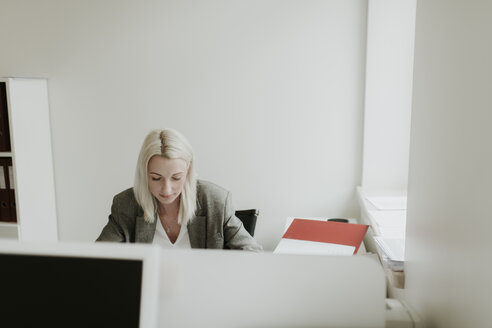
(8, 224)
(9, 230)
(27, 102)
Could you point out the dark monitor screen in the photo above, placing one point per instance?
(57, 291)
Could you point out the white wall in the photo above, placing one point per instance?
(449, 214)
(269, 93)
(388, 93)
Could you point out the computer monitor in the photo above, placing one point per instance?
(78, 285)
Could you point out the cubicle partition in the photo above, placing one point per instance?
(66, 285)
(205, 288)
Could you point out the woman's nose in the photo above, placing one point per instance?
(165, 187)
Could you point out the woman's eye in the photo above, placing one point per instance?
(176, 179)
(156, 179)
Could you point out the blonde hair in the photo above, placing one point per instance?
(170, 144)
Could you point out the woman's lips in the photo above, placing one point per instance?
(165, 196)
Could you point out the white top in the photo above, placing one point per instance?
(161, 238)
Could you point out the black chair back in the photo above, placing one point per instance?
(248, 217)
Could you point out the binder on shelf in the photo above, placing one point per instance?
(11, 186)
(322, 237)
(4, 191)
(7, 193)
(4, 120)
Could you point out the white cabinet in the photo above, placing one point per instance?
(30, 137)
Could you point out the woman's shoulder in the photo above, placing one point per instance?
(126, 195)
(209, 189)
(125, 202)
(211, 198)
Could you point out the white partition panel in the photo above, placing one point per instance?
(32, 158)
(205, 288)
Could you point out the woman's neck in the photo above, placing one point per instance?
(170, 210)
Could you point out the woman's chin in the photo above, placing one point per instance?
(167, 200)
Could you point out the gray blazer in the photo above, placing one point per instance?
(214, 224)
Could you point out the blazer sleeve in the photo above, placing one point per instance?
(235, 235)
(113, 230)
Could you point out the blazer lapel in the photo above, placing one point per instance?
(144, 231)
(197, 231)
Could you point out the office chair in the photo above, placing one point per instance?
(248, 217)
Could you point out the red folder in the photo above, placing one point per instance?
(348, 234)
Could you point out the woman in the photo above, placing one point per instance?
(170, 207)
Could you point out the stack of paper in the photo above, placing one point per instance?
(393, 250)
(389, 224)
(388, 221)
(321, 237)
(388, 203)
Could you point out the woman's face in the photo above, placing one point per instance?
(166, 178)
